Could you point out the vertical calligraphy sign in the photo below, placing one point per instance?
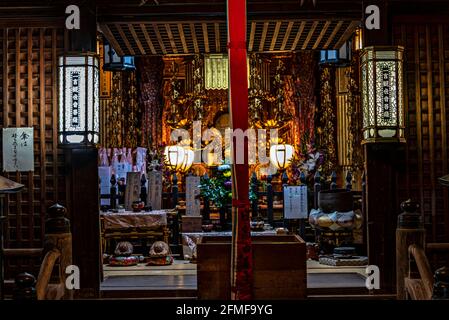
(154, 198)
(242, 263)
(132, 192)
(192, 193)
(18, 151)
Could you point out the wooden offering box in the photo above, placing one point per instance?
(279, 264)
(191, 223)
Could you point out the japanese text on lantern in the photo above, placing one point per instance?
(18, 154)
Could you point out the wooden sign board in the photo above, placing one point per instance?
(132, 192)
(192, 193)
(18, 151)
(154, 198)
(295, 202)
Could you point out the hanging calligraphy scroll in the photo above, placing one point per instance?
(18, 153)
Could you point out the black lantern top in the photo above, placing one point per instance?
(338, 58)
(114, 62)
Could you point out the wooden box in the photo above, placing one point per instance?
(191, 223)
(279, 267)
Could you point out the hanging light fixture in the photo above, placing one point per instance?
(339, 58)
(281, 155)
(114, 62)
(382, 94)
(174, 157)
(78, 99)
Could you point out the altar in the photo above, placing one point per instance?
(130, 225)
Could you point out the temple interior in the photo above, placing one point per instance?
(195, 149)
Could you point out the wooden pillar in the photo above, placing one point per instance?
(382, 165)
(81, 165)
(82, 182)
(410, 231)
(58, 236)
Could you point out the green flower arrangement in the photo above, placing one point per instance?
(218, 189)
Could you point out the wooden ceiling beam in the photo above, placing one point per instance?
(251, 36)
(333, 34)
(111, 39)
(194, 38)
(183, 38)
(147, 38)
(275, 35)
(298, 35)
(352, 26)
(136, 39)
(170, 38)
(287, 35)
(124, 38)
(217, 37)
(205, 37)
(159, 38)
(264, 35)
(309, 36)
(322, 33)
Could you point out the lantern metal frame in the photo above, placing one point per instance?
(180, 154)
(382, 82)
(189, 157)
(276, 162)
(84, 127)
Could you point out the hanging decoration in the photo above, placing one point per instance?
(256, 93)
(216, 72)
(150, 74)
(267, 110)
(132, 123)
(354, 143)
(304, 75)
(179, 114)
(327, 133)
(199, 93)
(114, 121)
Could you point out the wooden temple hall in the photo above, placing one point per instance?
(220, 150)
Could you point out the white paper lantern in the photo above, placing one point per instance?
(78, 99)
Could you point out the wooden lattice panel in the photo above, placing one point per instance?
(427, 103)
(29, 99)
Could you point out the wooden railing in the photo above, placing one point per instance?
(415, 279)
(58, 249)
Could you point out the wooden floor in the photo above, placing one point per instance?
(179, 281)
